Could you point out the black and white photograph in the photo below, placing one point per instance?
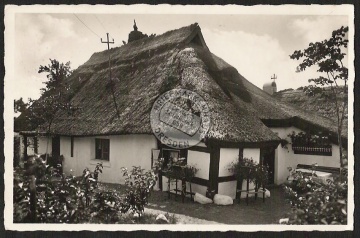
(207, 118)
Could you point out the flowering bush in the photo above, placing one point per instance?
(261, 174)
(189, 172)
(21, 197)
(182, 172)
(58, 198)
(249, 169)
(105, 207)
(139, 185)
(316, 203)
(68, 199)
(309, 140)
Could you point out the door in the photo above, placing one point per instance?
(55, 160)
(268, 158)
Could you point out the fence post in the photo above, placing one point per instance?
(32, 186)
(31, 171)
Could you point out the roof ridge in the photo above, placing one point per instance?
(168, 38)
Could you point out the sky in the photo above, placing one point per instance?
(258, 46)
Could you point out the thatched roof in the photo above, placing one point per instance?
(318, 102)
(147, 68)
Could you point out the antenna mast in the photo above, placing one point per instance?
(108, 42)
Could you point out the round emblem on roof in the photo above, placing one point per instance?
(180, 118)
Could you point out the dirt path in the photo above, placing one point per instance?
(181, 219)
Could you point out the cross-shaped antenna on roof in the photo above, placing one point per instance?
(108, 46)
(274, 77)
(108, 42)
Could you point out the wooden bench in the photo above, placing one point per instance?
(323, 173)
(326, 169)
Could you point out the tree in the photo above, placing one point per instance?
(21, 122)
(328, 56)
(55, 96)
(20, 105)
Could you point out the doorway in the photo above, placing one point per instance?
(268, 158)
(56, 158)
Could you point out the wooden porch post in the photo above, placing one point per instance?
(35, 144)
(25, 148)
(239, 183)
(214, 167)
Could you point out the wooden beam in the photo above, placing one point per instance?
(25, 148)
(200, 181)
(71, 146)
(224, 144)
(35, 144)
(199, 149)
(214, 167)
(226, 178)
(239, 183)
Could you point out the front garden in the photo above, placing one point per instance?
(44, 195)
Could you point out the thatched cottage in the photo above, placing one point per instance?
(245, 120)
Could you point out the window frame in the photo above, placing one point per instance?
(71, 146)
(313, 150)
(104, 146)
(166, 159)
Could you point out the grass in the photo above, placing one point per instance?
(257, 212)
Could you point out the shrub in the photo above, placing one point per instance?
(186, 172)
(249, 169)
(59, 198)
(105, 207)
(189, 172)
(69, 199)
(139, 185)
(316, 203)
(303, 183)
(21, 197)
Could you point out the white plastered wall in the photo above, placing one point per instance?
(125, 151)
(227, 156)
(30, 149)
(285, 157)
(42, 141)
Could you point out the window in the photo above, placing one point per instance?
(102, 149)
(72, 146)
(170, 155)
(313, 150)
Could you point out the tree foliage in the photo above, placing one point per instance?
(54, 96)
(328, 56)
(20, 105)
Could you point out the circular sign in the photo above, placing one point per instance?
(180, 118)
